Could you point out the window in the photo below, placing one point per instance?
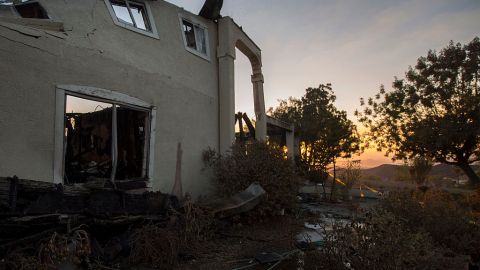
(27, 9)
(135, 16)
(195, 37)
(102, 138)
(31, 9)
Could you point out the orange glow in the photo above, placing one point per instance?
(341, 182)
(371, 189)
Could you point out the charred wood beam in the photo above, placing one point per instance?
(240, 126)
(211, 9)
(249, 124)
(12, 193)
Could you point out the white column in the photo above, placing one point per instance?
(259, 104)
(226, 101)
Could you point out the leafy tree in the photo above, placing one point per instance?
(324, 131)
(419, 169)
(433, 112)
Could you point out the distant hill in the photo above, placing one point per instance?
(384, 171)
(387, 171)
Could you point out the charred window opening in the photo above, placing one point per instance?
(189, 34)
(195, 38)
(131, 13)
(132, 142)
(104, 140)
(27, 9)
(31, 10)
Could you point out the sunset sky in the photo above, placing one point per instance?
(355, 45)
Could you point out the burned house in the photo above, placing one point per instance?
(108, 88)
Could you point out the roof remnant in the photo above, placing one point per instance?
(211, 9)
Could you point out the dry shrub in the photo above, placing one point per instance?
(406, 230)
(447, 219)
(19, 261)
(199, 223)
(154, 246)
(52, 251)
(74, 247)
(382, 242)
(257, 162)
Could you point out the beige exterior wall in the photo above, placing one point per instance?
(95, 52)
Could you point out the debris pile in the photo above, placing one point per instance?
(45, 226)
(49, 226)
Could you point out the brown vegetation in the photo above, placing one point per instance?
(407, 230)
(258, 162)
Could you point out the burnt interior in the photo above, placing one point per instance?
(89, 141)
(31, 10)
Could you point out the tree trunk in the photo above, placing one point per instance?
(472, 176)
(332, 190)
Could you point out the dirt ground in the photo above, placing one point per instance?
(233, 246)
(237, 245)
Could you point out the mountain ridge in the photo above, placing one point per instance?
(387, 171)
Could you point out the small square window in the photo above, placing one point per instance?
(135, 16)
(195, 38)
(27, 9)
(31, 9)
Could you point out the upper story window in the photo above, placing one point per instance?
(135, 16)
(31, 9)
(27, 9)
(195, 37)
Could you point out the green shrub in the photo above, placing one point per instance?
(258, 162)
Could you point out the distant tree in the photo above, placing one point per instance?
(419, 169)
(351, 175)
(324, 131)
(458, 174)
(401, 173)
(433, 112)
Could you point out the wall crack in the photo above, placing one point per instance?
(28, 45)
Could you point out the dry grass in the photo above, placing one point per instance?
(407, 230)
(199, 223)
(52, 251)
(154, 246)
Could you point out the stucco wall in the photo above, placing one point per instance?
(97, 53)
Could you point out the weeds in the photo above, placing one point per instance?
(199, 224)
(154, 246)
(52, 251)
(383, 242)
(448, 220)
(407, 230)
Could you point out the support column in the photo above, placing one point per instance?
(296, 146)
(259, 104)
(226, 101)
(290, 138)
